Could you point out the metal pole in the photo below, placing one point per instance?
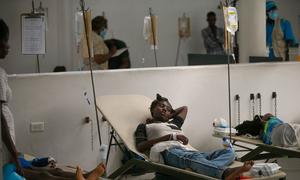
(153, 36)
(178, 50)
(38, 63)
(1, 147)
(82, 4)
(229, 92)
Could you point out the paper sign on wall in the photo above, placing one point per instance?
(33, 34)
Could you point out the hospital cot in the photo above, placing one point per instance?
(262, 151)
(124, 113)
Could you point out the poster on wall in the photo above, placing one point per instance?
(33, 33)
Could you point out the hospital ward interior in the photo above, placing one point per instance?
(149, 89)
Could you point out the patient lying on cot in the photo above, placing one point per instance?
(278, 133)
(271, 130)
(59, 174)
(163, 135)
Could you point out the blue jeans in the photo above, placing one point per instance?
(211, 164)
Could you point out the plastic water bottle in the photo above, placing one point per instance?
(226, 143)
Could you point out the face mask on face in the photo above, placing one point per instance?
(103, 33)
(273, 15)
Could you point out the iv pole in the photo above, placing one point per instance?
(178, 51)
(228, 47)
(82, 5)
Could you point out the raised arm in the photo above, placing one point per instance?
(180, 112)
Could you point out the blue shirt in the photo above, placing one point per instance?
(287, 31)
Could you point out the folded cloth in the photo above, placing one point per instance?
(296, 128)
(25, 163)
(220, 122)
(264, 169)
(43, 162)
(224, 131)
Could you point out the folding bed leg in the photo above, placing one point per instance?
(251, 155)
(109, 146)
(129, 164)
(119, 145)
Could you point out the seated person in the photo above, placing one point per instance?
(58, 174)
(121, 61)
(278, 133)
(10, 154)
(162, 134)
(36, 173)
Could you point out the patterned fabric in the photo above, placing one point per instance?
(268, 129)
(213, 42)
(284, 135)
(6, 95)
(281, 30)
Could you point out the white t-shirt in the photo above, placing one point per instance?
(157, 130)
(6, 95)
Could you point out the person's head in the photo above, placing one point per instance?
(99, 25)
(4, 33)
(161, 109)
(271, 10)
(266, 117)
(211, 18)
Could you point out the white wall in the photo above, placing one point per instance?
(125, 20)
(58, 37)
(252, 29)
(57, 99)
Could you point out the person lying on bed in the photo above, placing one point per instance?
(278, 133)
(163, 134)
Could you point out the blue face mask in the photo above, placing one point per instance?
(103, 33)
(273, 15)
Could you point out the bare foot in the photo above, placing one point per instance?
(247, 166)
(100, 169)
(97, 172)
(79, 174)
(233, 173)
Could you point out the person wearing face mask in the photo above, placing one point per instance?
(279, 33)
(100, 50)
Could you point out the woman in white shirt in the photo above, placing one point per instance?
(8, 149)
(7, 145)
